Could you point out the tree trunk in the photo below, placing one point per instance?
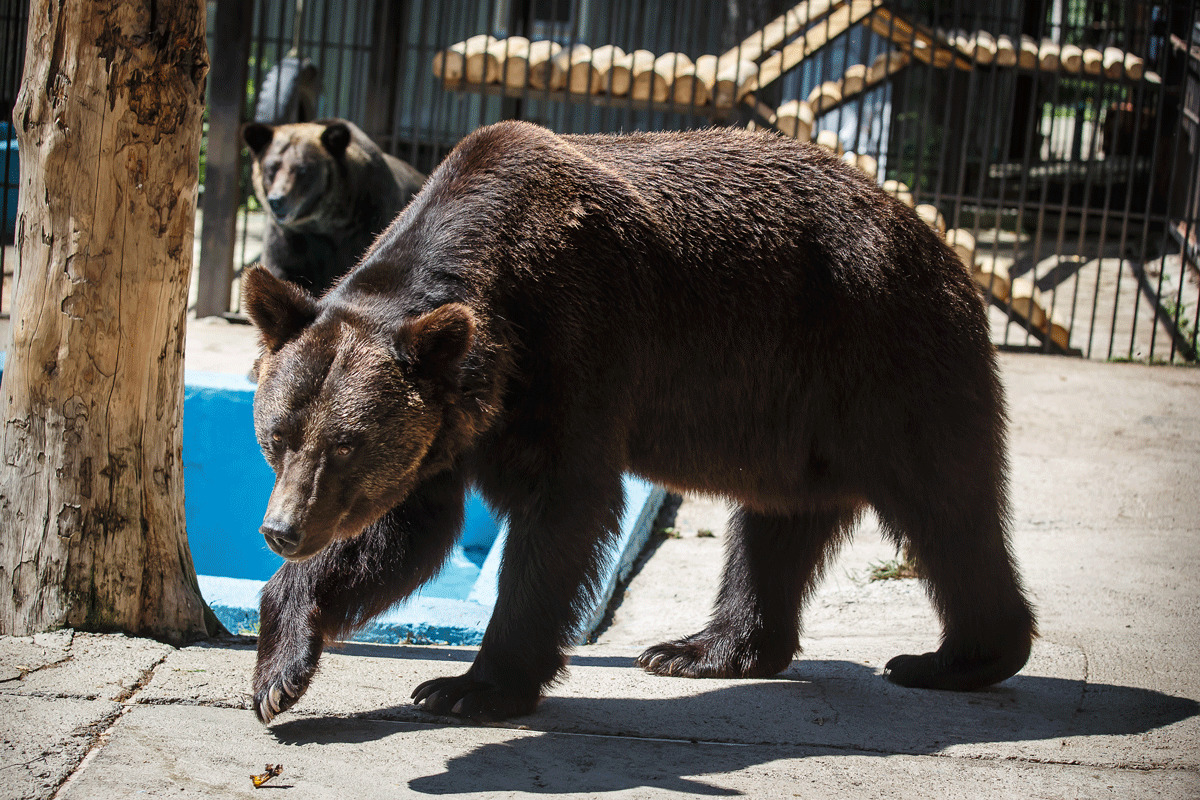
(91, 487)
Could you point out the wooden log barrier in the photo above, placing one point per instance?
(688, 88)
(862, 162)
(733, 81)
(963, 244)
(451, 64)
(1113, 63)
(899, 190)
(868, 165)
(1027, 56)
(930, 47)
(830, 141)
(854, 80)
(1026, 300)
(1006, 51)
(886, 64)
(575, 67)
(795, 118)
(779, 30)
(539, 70)
(651, 80)
(1071, 58)
(609, 80)
(1048, 56)
(993, 279)
(781, 61)
(1135, 67)
(824, 96)
(932, 217)
(1060, 334)
(512, 59)
(620, 74)
(982, 47)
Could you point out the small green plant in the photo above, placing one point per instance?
(1177, 314)
(705, 533)
(672, 533)
(893, 569)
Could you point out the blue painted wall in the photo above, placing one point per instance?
(227, 483)
(226, 480)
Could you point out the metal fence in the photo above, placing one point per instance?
(13, 16)
(1055, 140)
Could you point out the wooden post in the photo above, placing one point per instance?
(223, 164)
(91, 481)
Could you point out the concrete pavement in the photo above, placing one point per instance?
(1106, 459)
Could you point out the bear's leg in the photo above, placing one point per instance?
(772, 564)
(557, 538)
(961, 550)
(307, 603)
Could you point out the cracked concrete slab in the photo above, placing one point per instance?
(43, 740)
(1104, 459)
(210, 752)
(81, 665)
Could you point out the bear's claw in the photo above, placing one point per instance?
(278, 696)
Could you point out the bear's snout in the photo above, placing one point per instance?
(281, 537)
(279, 206)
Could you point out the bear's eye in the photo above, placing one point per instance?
(343, 450)
(276, 437)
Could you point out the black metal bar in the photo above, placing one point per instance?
(222, 183)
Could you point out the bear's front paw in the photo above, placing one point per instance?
(707, 656)
(276, 693)
(940, 670)
(279, 695)
(466, 697)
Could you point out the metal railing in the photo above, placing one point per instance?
(1078, 184)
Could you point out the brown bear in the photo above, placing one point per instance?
(328, 191)
(720, 311)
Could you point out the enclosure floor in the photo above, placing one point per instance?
(1097, 295)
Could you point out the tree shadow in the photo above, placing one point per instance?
(817, 707)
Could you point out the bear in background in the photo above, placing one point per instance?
(328, 191)
(718, 311)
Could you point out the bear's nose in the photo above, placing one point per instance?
(278, 205)
(281, 537)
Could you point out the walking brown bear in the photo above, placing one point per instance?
(718, 311)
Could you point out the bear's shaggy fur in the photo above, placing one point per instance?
(328, 191)
(719, 311)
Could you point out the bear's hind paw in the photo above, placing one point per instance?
(700, 656)
(939, 671)
(465, 697)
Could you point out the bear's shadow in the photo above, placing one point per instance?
(817, 707)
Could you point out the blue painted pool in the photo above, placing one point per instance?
(10, 180)
(227, 483)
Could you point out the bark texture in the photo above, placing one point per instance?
(92, 530)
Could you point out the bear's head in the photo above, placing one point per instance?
(297, 170)
(351, 413)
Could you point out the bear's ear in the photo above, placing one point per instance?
(436, 342)
(336, 138)
(279, 309)
(257, 136)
